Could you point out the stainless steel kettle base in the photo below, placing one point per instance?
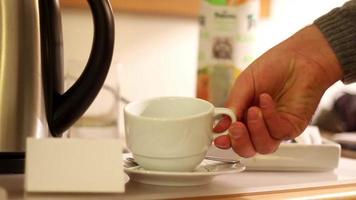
(12, 162)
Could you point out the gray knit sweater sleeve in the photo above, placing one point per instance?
(339, 27)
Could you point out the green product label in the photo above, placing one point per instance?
(218, 2)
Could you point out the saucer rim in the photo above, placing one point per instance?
(236, 167)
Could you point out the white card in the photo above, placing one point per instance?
(74, 165)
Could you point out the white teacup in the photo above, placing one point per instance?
(171, 133)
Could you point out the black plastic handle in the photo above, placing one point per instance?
(64, 109)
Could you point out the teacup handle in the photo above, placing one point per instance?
(224, 111)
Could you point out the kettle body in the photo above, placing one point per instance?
(32, 100)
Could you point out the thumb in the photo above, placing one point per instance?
(242, 93)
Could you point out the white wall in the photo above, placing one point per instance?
(157, 54)
(288, 16)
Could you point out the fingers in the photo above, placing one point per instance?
(260, 137)
(255, 138)
(260, 134)
(240, 140)
(223, 142)
(278, 128)
(223, 124)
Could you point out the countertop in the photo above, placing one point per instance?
(232, 186)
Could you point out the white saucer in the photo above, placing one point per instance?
(203, 174)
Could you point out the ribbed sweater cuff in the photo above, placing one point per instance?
(340, 30)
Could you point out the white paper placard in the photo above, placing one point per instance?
(74, 165)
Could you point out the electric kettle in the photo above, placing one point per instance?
(32, 100)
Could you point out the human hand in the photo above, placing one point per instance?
(276, 96)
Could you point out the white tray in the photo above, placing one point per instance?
(290, 157)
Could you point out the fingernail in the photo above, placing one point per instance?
(263, 99)
(222, 145)
(222, 142)
(254, 114)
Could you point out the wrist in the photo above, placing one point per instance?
(338, 26)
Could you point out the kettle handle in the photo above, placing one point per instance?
(64, 109)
